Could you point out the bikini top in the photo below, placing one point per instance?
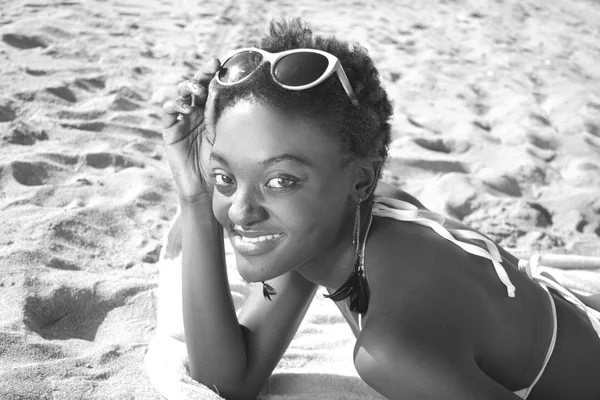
(403, 211)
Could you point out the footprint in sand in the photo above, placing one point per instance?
(416, 167)
(65, 310)
(128, 92)
(21, 41)
(145, 147)
(68, 92)
(78, 114)
(422, 164)
(63, 92)
(123, 99)
(89, 84)
(101, 126)
(46, 168)
(7, 111)
(60, 158)
(542, 154)
(442, 145)
(542, 141)
(593, 128)
(499, 182)
(61, 263)
(21, 133)
(35, 72)
(592, 134)
(591, 124)
(477, 99)
(29, 173)
(120, 103)
(61, 314)
(117, 161)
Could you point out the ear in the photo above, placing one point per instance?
(366, 176)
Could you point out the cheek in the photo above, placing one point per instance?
(309, 220)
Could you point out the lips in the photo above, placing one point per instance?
(257, 239)
(255, 243)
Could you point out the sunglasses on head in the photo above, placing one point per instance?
(296, 69)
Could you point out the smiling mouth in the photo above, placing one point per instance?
(256, 245)
(257, 239)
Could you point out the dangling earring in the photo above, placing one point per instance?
(356, 285)
(268, 291)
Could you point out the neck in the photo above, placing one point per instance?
(333, 268)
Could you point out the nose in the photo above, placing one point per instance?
(246, 209)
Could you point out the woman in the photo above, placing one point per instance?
(284, 151)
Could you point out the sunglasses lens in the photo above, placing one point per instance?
(239, 66)
(299, 69)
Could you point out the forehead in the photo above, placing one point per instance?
(251, 132)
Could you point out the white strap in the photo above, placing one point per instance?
(524, 393)
(531, 269)
(403, 211)
(360, 321)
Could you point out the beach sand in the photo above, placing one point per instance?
(497, 123)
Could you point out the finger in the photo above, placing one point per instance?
(187, 88)
(209, 114)
(169, 115)
(171, 111)
(207, 72)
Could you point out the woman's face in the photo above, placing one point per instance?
(281, 191)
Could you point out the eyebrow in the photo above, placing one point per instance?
(269, 161)
(217, 157)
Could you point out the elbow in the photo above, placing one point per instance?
(234, 392)
(230, 386)
(239, 396)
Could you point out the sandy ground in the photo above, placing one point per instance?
(497, 122)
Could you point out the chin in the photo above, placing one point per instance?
(246, 270)
(259, 269)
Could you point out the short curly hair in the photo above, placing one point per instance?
(363, 131)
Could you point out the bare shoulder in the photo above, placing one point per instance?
(423, 287)
(421, 338)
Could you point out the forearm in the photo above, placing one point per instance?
(214, 339)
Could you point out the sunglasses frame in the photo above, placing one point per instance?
(334, 65)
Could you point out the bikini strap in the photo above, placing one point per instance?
(524, 393)
(531, 269)
(403, 211)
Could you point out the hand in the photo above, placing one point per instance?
(185, 131)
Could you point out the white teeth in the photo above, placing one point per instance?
(260, 238)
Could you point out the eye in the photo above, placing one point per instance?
(222, 180)
(282, 182)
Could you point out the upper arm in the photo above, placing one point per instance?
(401, 367)
(270, 326)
